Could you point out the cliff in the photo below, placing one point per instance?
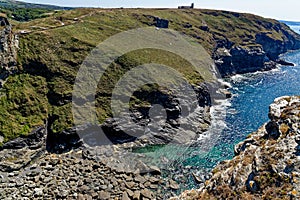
(53, 48)
(265, 165)
(9, 45)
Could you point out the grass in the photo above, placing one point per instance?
(52, 51)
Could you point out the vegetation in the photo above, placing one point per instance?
(25, 14)
(21, 11)
(54, 47)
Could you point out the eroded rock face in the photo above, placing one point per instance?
(263, 55)
(238, 60)
(9, 44)
(169, 124)
(266, 165)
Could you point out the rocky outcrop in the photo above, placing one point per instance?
(232, 58)
(240, 60)
(9, 44)
(20, 152)
(166, 119)
(266, 165)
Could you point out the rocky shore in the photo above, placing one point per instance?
(29, 171)
(45, 165)
(266, 164)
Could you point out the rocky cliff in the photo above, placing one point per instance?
(262, 53)
(266, 164)
(9, 44)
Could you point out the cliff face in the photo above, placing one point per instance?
(262, 54)
(266, 165)
(9, 44)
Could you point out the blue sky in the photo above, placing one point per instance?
(283, 9)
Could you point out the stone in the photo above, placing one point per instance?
(173, 185)
(130, 192)
(83, 189)
(146, 193)
(162, 23)
(197, 179)
(154, 170)
(129, 185)
(136, 195)
(187, 25)
(38, 191)
(272, 129)
(125, 196)
(139, 179)
(104, 195)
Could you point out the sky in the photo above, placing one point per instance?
(277, 9)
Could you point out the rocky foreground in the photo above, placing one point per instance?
(266, 165)
(29, 171)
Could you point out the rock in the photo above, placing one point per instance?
(187, 25)
(125, 196)
(284, 63)
(139, 179)
(63, 193)
(272, 129)
(104, 195)
(129, 185)
(146, 193)
(85, 197)
(162, 23)
(136, 195)
(129, 192)
(229, 61)
(38, 192)
(197, 178)
(173, 185)
(154, 170)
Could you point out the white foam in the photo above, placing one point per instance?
(238, 78)
(218, 124)
(223, 82)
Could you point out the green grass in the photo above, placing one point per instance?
(53, 50)
(23, 105)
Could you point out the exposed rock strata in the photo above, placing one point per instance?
(9, 44)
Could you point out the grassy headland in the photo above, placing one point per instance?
(52, 49)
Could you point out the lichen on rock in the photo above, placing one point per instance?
(266, 165)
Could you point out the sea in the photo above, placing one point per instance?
(248, 109)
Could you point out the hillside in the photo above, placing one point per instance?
(51, 50)
(21, 11)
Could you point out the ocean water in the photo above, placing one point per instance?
(248, 109)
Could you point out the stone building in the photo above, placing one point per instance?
(186, 7)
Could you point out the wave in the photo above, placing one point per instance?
(238, 78)
(218, 114)
(225, 83)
